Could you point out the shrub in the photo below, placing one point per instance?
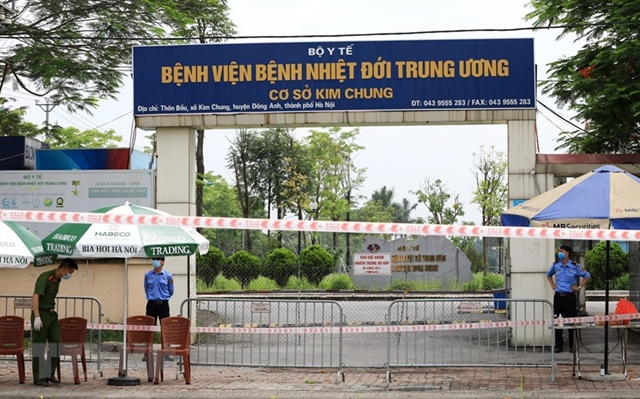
(492, 281)
(620, 282)
(209, 265)
(429, 285)
(221, 283)
(484, 282)
(401, 285)
(335, 282)
(262, 283)
(475, 284)
(596, 261)
(315, 263)
(201, 286)
(295, 283)
(279, 265)
(242, 266)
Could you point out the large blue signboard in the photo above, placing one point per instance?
(334, 76)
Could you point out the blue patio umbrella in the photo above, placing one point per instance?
(605, 198)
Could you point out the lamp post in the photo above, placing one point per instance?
(313, 206)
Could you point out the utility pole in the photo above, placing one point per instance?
(46, 107)
(6, 16)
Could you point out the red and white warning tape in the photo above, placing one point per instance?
(379, 328)
(320, 226)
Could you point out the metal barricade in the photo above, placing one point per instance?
(470, 332)
(269, 333)
(89, 308)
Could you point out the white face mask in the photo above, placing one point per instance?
(66, 276)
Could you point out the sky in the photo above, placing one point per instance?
(400, 158)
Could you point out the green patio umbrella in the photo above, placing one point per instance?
(20, 247)
(125, 241)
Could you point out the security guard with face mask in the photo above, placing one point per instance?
(158, 287)
(566, 286)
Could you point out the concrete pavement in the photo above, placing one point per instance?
(274, 383)
(280, 383)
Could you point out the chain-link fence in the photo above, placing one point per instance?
(274, 333)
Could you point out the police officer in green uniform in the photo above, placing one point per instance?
(44, 320)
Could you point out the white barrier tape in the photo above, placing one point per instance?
(320, 226)
(377, 329)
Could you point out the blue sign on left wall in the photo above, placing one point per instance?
(17, 152)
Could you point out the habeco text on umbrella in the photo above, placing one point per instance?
(64, 237)
(112, 234)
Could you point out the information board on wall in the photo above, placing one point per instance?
(372, 264)
(74, 191)
(334, 76)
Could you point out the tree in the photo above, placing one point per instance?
(601, 82)
(295, 186)
(279, 265)
(241, 161)
(273, 155)
(335, 177)
(201, 21)
(491, 190)
(401, 211)
(315, 263)
(595, 263)
(72, 137)
(435, 196)
(242, 266)
(209, 265)
(76, 52)
(12, 121)
(220, 199)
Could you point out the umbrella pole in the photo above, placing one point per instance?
(606, 306)
(125, 380)
(126, 302)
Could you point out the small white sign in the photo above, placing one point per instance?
(257, 307)
(470, 307)
(372, 264)
(22, 303)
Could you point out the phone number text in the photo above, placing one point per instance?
(473, 102)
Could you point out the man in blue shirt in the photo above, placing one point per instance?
(565, 286)
(158, 286)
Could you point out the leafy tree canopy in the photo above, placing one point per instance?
(596, 262)
(12, 121)
(76, 52)
(601, 82)
(72, 137)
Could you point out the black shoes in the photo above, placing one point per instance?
(144, 358)
(557, 350)
(45, 381)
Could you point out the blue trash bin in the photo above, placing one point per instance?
(500, 305)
